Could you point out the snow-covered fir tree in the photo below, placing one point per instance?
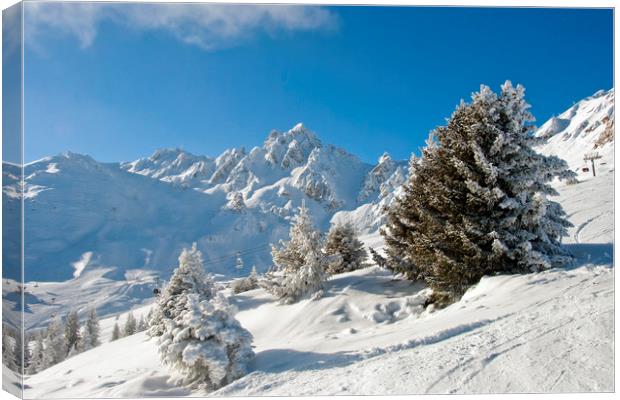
(56, 348)
(116, 332)
(91, 330)
(37, 359)
(72, 332)
(188, 277)
(378, 258)
(476, 202)
(288, 256)
(300, 261)
(8, 346)
(250, 282)
(346, 250)
(142, 325)
(130, 325)
(20, 352)
(201, 341)
(237, 203)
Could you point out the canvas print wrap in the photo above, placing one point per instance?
(206, 199)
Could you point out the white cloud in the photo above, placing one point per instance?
(208, 26)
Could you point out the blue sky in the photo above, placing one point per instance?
(117, 82)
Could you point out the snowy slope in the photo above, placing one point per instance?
(81, 214)
(550, 331)
(369, 334)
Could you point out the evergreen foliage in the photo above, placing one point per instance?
(116, 332)
(201, 340)
(92, 331)
(300, 261)
(8, 355)
(188, 278)
(37, 361)
(378, 258)
(56, 347)
(131, 325)
(346, 251)
(250, 282)
(72, 332)
(142, 325)
(476, 202)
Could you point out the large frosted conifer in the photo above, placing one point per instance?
(476, 202)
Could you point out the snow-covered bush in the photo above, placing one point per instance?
(250, 282)
(300, 261)
(475, 203)
(201, 339)
(345, 250)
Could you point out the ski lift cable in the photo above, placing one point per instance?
(238, 254)
(241, 252)
(234, 257)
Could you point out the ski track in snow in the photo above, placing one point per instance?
(509, 354)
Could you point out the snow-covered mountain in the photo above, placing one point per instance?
(295, 160)
(81, 214)
(586, 128)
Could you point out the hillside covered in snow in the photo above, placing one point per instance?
(128, 220)
(370, 334)
(124, 224)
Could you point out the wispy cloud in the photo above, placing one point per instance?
(208, 26)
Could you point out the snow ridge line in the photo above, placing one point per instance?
(431, 339)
